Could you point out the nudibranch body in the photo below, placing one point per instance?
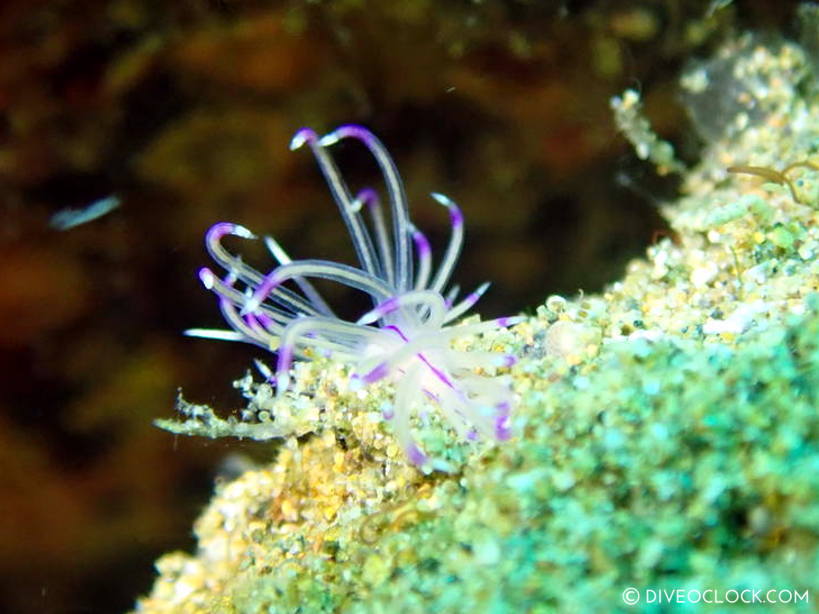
(406, 336)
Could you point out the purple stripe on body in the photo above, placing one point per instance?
(502, 428)
(455, 215)
(219, 230)
(421, 244)
(268, 285)
(379, 372)
(355, 131)
(432, 395)
(369, 197)
(391, 304)
(507, 321)
(438, 373)
(252, 321)
(394, 328)
(265, 320)
(415, 455)
(509, 360)
(285, 358)
(303, 136)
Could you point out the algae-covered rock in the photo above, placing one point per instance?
(666, 435)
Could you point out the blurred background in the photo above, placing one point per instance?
(184, 111)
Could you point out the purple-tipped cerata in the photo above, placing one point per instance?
(405, 337)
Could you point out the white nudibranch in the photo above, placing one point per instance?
(405, 337)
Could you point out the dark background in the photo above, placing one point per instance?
(184, 110)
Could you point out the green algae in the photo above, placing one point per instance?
(676, 464)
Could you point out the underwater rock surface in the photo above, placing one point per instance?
(666, 434)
